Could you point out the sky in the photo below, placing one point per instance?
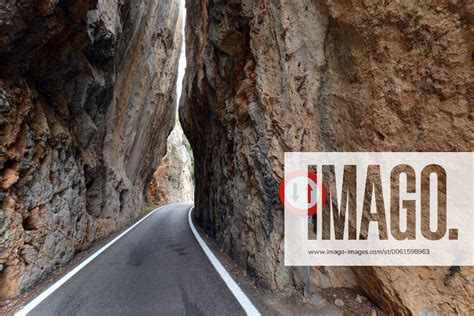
(182, 56)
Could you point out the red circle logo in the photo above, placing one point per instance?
(300, 192)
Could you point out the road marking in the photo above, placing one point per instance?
(244, 301)
(31, 305)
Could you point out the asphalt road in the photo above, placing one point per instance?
(158, 268)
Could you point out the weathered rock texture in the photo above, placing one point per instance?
(265, 77)
(173, 181)
(87, 101)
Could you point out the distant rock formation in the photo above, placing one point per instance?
(87, 101)
(173, 181)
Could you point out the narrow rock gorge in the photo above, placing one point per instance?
(87, 101)
(266, 77)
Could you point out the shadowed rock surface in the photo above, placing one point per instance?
(87, 100)
(265, 77)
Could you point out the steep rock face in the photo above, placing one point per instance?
(265, 77)
(87, 100)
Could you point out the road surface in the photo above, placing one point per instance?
(156, 268)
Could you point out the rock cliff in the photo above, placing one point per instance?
(265, 77)
(87, 100)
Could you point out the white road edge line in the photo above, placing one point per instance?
(31, 305)
(244, 301)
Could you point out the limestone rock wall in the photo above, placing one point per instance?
(87, 100)
(265, 77)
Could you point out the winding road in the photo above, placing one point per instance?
(157, 267)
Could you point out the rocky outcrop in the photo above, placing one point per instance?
(87, 100)
(173, 181)
(265, 77)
